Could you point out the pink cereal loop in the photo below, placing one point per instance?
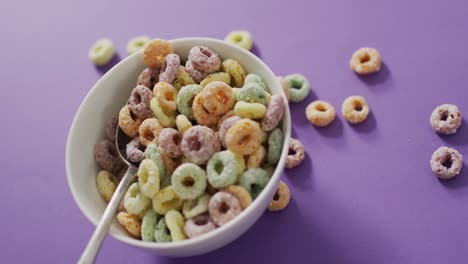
(274, 113)
(204, 59)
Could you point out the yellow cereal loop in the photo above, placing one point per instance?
(148, 178)
(134, 201)
(106, 183)
(236, 71)
(219, 76)
(166, 118)
(131, 223)
(183, 79)
(183, 123)
(257, 158)
(176, 222)
(166, 95)
(355, 109)
(102, 52)
(137, 43)
(250, 110)
(129, 122)
(166, 200)
(240, 38)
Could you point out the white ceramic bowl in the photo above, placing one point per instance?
(105, 100)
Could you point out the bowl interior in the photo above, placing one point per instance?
(105, 100)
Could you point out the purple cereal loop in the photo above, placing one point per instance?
(135, 150)
(148, 77)
(204, 59)
(224, 127)
(110, 127)
(295, 159)
(199, 144)
(197, 75)
(199, 225)
(107, 156)
(223, 207)
(169, 142)
(139, 102)
(274, 113)
(446, 119)
(170, 68)
(446, 163)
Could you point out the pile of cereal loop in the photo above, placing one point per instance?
(206, 139)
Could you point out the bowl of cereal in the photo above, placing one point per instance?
(209, 128)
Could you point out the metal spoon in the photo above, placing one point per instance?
(94, 244)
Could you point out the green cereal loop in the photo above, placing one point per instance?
(148, 177)
(222, 169)
(152, 153)
(218, 76)
(299, 87)
(148, 225)
(252, 93)
(192, 208)
(183, 78)
(254, 180)
(250, 110)
(167, 119)
(253, 78)
(189, 181)
(161, 232)
(185, 99)
(275, 144)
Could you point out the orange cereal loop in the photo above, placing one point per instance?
(201, 114)
(218, 98)
(132, 223)
(285, 85)
(240, 193)
(149, 131)
(355, 109)
(365, 61)
(155, 52)
(281, 198)
(171, 163)
(320, 113)
(244, 137)
(166, 95)
(129, 122)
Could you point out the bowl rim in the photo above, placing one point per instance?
(217, 232)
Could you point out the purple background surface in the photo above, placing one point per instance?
(365, 194)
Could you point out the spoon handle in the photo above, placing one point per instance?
(94, 244)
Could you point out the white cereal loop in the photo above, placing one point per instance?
(134, 201)
(102, 52)
(365, 61)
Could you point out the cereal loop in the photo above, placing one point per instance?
(199, 144)
(223, 207)
(253, 78)
(204, 59)
(446, 119)
(166, 95)
(169, 142)
(240, 193)
(183, 78)
(128, 122)
(136, 44)
(170, 68)
(161, 232)
(134, 201)
(218, 98)
(240, 38)
(135, 150)
(196, 74)
(149, 131)
(355, 109)
(244, 137)
(236, 71)
(189, 181)
(201, 114)
(275, 145)
(148, 77)
(165, 200)
(131, 223)
(148, 178)
(299, 87)
(365, 61)
(297, 153)
(219, 76)
(183, 123)
(192, 208)
(155, 52)
(274, 113)
(106, 184)
(148, 225)
(222, 169)
(320, 113)
(166, 118)
(107, 156)
(185, 99)
(281, 198)
(446, 163)
(139, 102)
(176, 222)
(254, 180)
(199, 225)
